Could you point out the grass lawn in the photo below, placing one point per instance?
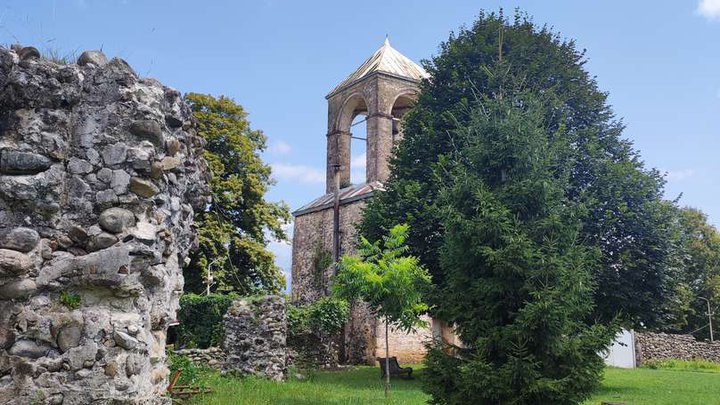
(362, 385)
(645, 386)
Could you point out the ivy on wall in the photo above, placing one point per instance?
(201, 319)
(322, 259)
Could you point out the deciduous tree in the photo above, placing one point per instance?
(698, 275)
(235, 228)
(389, 281)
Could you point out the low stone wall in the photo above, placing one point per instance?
(662, 346)
(212, 357)
(255, 337)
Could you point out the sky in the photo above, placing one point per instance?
(658, 60)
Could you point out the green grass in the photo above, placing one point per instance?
(688, 365)
(675, 383)
(361, 385)
(670, 386)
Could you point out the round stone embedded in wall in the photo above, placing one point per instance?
(116, 220)
(97, 58)
(17, 289)
(149, 130)
(14, 263)
(20, 239)
(142, 187)
(69, 336)
(29, 52)
(16, 162)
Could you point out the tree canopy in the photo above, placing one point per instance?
(518, 282)
(391, 282)
(624, 216)
(698, 274)
(234, 229)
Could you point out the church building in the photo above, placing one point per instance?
(382, 89)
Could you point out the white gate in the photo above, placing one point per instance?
(622, 352)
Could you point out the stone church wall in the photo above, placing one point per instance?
(364, 334)
(99, 174)
(407, 347)
(312, 271)
(312, 249)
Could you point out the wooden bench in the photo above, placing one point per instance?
(395, 368)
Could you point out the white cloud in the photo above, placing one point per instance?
(357, 168)
(359, 161)
(709, 9)
(301, 173)
(679, 175)
(280, 148)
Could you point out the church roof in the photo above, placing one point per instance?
(386, 60)
(347, 195)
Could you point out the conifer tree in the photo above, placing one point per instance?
(625, 216)
(518, 283)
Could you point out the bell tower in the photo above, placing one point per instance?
(382, 89)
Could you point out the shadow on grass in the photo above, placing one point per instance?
(618, 391)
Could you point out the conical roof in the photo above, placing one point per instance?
(386, 60)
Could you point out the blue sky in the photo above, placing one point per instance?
(659, 60)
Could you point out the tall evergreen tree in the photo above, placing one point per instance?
(625, 216)
(518, 281)
(234, 229)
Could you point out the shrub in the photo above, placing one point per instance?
(298, 320)
(312, 329)
(201, 319)
(328, 315)
(325, 316)
(70, 300)
(440, 378)
(190, 372)
(688, 365)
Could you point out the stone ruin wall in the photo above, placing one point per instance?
(663, 346)
(99, 174)
(212, 357)
(364, 334)
(255, 340)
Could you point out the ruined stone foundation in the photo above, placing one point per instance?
(255, 337)
(99, 174)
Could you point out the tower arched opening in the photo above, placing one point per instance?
(400, 107)
(358, 149)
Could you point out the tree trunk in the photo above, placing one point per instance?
(387, 360)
